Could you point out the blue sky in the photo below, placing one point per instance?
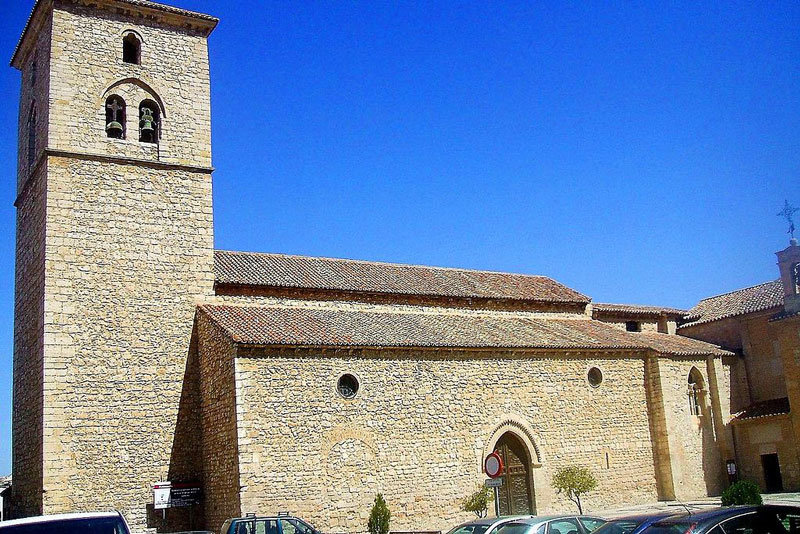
(637, 152)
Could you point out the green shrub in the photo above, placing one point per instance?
(379, 517)
(574, 480)
(742, 492)
(478, 502)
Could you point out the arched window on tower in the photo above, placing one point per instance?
(695, 391)
(32, 136)
(131, 49)
(149, 122)
(115, 117)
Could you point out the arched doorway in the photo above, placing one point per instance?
(515, 496)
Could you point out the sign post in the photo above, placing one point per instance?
(493, 467)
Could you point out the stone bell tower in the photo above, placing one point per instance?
(114, 247)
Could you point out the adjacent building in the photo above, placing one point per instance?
(277, 382)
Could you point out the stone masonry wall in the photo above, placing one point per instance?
(773, 435)
(34, 91)
(129, 252)
(28, 349)
(87, 66)
(421, 424)
(694, 453)
(219, 424)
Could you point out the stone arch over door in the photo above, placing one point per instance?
(515, 443)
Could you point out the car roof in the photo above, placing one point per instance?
(650, 515)
(58, 517)
(494, 520)
(714, 513)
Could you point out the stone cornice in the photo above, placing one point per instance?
(51, 152)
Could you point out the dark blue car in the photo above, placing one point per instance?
(767, 519)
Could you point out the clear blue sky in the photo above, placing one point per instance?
(637, 152)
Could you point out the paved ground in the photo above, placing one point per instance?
(770, 498)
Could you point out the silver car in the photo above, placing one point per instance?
(486, 525)
(553, 524)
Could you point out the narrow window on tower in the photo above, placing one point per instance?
(131, 49)
(695, 392)
(149, 122)
(32, 136)
(115, 117)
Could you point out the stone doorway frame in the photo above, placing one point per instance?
(521, 430)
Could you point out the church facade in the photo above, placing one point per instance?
(276, 382)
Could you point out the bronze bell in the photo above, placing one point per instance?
(114, 129)
(147, 124)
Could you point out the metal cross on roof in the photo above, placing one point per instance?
(788, 214)
(114, 106)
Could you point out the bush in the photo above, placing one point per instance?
(742, 492)
(574, 480)
(478, 502)
(379, 517)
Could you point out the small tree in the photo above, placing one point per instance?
(574, 480)
(742, 492)
(478, 502)
(379, 517)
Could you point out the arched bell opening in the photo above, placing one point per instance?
(149, 122)
(115, 117)
(516, 495)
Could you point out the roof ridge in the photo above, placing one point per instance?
(637, 306)
(393, 264)
(737, 291)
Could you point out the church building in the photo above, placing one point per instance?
(301, 384)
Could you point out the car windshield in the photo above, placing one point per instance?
(618, 526)
(469, 529)
(99, 525)
(514, 528)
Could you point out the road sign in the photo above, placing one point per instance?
(161, 491)
(493, 465)
(494, 482)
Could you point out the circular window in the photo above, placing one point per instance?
(595, 377)
(347, 386)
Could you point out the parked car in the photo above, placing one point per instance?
(275, 524)
(82, 523)
(486, 525)
(553, 524)
(634, 524)
(767, 519)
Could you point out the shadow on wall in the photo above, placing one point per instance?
(713, 464)
(186, 457)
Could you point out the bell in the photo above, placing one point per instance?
(147, 125)
(114, 129)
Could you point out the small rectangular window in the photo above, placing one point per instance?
(633, 326)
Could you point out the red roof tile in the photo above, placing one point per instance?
(300, 326)
(766, 408)
(635, 309)
(278, 270)
(743, 301)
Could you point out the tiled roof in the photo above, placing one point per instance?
(677, 345)
(784, 314)
(300, 326)
(635, 309)
(749, 300)
(764, 409)
(279, 270)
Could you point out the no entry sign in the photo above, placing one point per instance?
(493, 465)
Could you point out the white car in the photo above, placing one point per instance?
(486, 525)
(79, 523)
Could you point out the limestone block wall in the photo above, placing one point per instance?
(28, 366)
(767, 436)
(87, 66)
(220, 458)
(128, 253)
(34, 91)
(420, 425)
(695, 462)
(762, 350)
